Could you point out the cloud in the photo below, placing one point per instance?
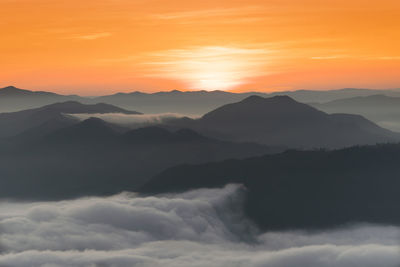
(360, 57)
(197, 228)
(92, 36)
(207, 13)
(130, 120)
(389, 58)
(329, 57)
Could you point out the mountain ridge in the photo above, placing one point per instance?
(186, 102)
(94, 157)
(280, 120)
(381, 109)
(13, 123)
(302, 189)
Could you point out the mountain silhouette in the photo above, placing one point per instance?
(303, 189)
(94, 157)
(14, 99)
(322, 96)
(280, 120)
(184, 102)
(381, 109)
(49, 117)
(11, 91)
(93, 130)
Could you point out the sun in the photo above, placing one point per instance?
(211, 67)
(214, 74)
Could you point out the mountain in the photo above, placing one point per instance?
(381, 109)
(184, 102)
(318, 96)
(11, 91)
(280, 120)
(93, 130)
(303, 189)
(14, 99)
(94, 157)
(49, 117)
(200, 102)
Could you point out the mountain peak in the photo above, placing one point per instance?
(17, 92)
(259, 99)
(252, 98)
(77, 107)
(93, 121)
(280, 120)
(10, 88)
(89, 130)
(256, 106)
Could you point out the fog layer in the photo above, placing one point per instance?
(198, 228)
(131, 120)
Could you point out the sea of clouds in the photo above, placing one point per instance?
(197, 228)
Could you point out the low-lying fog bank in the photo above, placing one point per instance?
(197, 228)
(131, 120)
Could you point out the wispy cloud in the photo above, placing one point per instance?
(207, 13)
(359, 57)
(236, 15)
(329, 57)
(91, 36)
(131, 120)
(389, 58)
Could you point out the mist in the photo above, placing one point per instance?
(131, 120)
(203, 227)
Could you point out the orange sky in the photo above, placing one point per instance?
(102, 46)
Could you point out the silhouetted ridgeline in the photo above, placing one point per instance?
(280, 120)
(15, 99)
(98, 158)
(303, 189)
(186, 102)
(381, 109)
(39, 121)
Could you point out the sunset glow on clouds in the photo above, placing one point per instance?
(95, 47)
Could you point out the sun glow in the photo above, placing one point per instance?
(211, 67)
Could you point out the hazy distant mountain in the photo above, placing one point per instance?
(280, 120)
(50, 117)
(190, 102)
(200, 102)
(315, 96)
(185, 102)
(96, 157)
(92, 130)
(381, 109)
(303, 189)
(11, 91)
(15, 99)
